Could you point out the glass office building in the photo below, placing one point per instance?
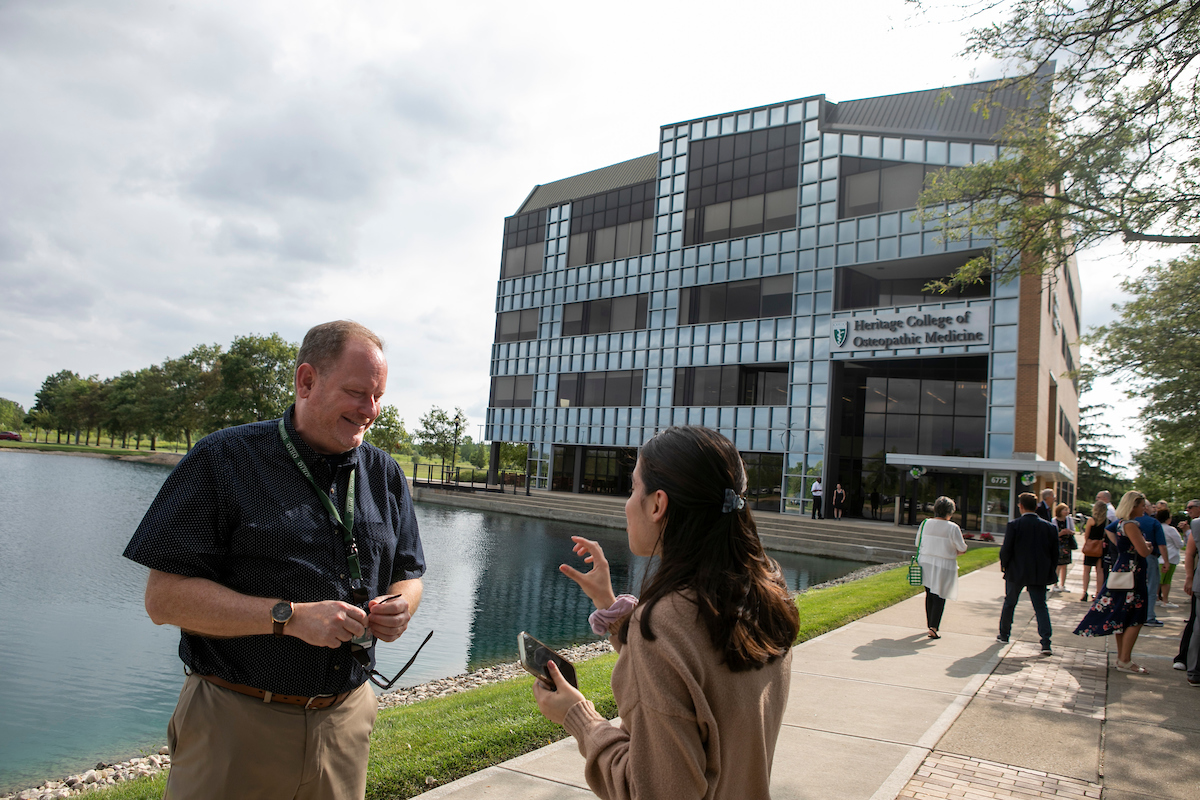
(761, 274)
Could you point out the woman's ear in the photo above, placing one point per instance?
(658, 510)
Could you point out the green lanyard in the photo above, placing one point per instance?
(357, 590)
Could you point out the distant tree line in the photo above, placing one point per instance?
(211, 388)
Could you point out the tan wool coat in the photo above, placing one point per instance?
(690, 727)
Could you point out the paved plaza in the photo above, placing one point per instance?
(878, 711)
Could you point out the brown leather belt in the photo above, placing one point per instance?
(318, 702)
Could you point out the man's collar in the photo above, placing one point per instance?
(312, 457)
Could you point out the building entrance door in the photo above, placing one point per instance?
(966, 490)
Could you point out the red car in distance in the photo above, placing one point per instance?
(13, 435)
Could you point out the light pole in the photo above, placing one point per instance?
(458, 423)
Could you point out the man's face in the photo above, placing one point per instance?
(1161, 505)
(1103, 497)
(1193, 511)
(339, 403)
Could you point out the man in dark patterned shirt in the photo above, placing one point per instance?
(272, 546)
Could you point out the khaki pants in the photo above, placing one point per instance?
(227, 745)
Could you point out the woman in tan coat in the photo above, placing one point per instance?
(702, 680)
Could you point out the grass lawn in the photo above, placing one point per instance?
(448, 737)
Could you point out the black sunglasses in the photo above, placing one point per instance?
(363, 657)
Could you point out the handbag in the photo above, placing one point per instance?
(1093, 548)
(1120, 581)
(916, 574)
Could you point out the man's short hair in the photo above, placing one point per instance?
(1027, 501)
(1047, 493)
(324, 343)
(1192, 504)
(1105, 494)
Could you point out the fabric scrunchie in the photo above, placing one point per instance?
(733, 501)
(602, 618)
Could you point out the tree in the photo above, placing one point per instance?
(1107, 145)
(388, 433)
(54, 399)
(1169, 470)
(192, 381)
(436, 433)
(120, 407)
(257, 380)
(12, 415)
(1154, 345)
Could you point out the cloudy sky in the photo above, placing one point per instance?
(183, 172)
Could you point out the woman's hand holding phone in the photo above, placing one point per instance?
(555, 703)
(596, 582)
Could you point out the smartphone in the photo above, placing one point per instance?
(534, 655)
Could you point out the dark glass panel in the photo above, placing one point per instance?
(712, 303)
(681, 395)
(773, 160)
(876, 396)
(740, 188)
(758, 163)
(874, 433)
(741, 145)
(970, 398)
(508, 326)
(730, 380)
(758, 142)
(708, 195)
(724, 171)
(904, 396)
(504, 391)
(568, 389)
(593, 389)
(707, 386)
(777, 296)
(741, 167)
(756, 184)
(937, 397)
(625, 197)
(902, 433)
(968, 436)
(725, 147)
(616, 388)
(937, 436)
(742, 300)
(523, 391)
(776, 138)
(775, 388)
(635, 388)
(643, 306)
(600, 316)
(624, 313)
(604, 244)
(573, 319)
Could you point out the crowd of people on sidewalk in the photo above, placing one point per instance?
(1133, 549)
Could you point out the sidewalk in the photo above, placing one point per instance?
(878, 711)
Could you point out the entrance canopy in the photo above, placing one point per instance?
(1055, 469)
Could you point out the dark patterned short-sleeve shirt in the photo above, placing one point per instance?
(238, 511)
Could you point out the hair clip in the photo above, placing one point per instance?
(732, 501)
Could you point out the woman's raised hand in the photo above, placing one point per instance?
(596, 582)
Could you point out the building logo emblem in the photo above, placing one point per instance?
(840, 333)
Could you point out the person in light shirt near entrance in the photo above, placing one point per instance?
(939, 544)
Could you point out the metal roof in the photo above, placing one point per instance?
(938, 113)
(605, 179)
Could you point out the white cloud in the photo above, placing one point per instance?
(186, 172)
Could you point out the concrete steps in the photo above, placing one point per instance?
(859, 540)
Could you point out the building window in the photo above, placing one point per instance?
(512, 391)
(871, 186)
(732, 385)
(616, 388)
(1067, 431)
(524, 237)
(616, 224)
(515, 326)
(743, 184)
(722, 302)
(605, 316)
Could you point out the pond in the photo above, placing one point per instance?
(86, 677)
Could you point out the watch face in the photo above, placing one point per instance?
(281, 612)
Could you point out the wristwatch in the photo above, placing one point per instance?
(281, 614)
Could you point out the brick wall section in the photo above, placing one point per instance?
(1040, 365)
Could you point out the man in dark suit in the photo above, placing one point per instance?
(1028, 559)
(1045, 509)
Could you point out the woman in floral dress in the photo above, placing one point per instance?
(1122, 612)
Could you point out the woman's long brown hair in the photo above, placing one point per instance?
(741, 596)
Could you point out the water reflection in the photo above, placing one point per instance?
(86, 676)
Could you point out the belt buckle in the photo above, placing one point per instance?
(308, 705)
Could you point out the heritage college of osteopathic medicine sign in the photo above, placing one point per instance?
(890, 330)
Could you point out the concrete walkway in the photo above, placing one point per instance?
(878, 711)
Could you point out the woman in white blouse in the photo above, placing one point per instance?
(939, 544)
